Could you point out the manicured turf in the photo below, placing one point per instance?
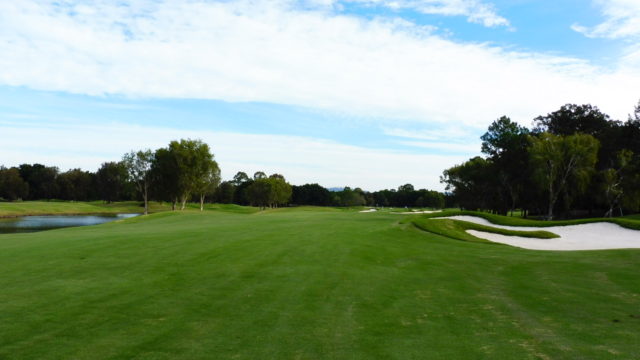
(70, 207)
(457, 229)
(630, 222)
(306, 284)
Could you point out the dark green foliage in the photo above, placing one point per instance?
(111, 179)
(41, 180)
(77, 185)
(569, 165)
(12, 186)
(310, 194)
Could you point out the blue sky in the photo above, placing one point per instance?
(369, 93)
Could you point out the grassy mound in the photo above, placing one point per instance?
(627, 222)
(457, 229)
(306, 283)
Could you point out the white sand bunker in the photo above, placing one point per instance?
(594, 236)
(368, 210)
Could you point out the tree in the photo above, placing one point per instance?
(260, 192)
(179, 169)
(240, 178)
(351, 197)
(111, 178)
(311, 194)
(571, 119)
(225, 192)
(12, 186)
(472, 183)
(562, 161)
(165, 176)
(138, 166)
(41, 180)
(506, 142)
(259, 175)
(76, 185)
(208, 181)
(280, 190)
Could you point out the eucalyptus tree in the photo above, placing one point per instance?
(562, 161)
(240, 178)
(613, 181)
(208, 180)
(281, 191)
(138, 165)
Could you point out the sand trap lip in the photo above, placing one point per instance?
(417, 212)
(593, 236)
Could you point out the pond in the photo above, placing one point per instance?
(48, 222)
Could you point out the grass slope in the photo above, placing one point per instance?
(457, 229)
(306, 284)
(11, 209)
(631, 222)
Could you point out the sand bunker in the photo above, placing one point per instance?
(368, 211)
(594, 236)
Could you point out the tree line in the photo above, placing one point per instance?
(575, 161)
(184, 171)
(239, 191)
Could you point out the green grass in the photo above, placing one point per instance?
(9, 209)
(457, 229)
(631, 222)
(306, 283)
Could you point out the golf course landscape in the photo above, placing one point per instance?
(234, 282)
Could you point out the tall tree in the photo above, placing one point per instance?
(472, 183)
(240, 178)
(571, 119)
(41, 180)
(138, 166)
(613, 177)
(280, 190)
(260, 192)
(208, 181)
(111, 179)
(506, 142)
(77, 185)
(12, 186)
(165, 176)
(561, 161)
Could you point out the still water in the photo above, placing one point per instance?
(49, 222)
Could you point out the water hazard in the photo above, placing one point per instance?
(48, 222)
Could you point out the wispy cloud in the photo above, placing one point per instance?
(622, 20)
(474, 10)
(278, 52)
(300, 159)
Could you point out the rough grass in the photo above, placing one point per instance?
(457, 229)
(306, 284)
(10, 209)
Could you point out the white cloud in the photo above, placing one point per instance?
(476, 11)
(273, 51)
(622, 20)
(300, 159)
